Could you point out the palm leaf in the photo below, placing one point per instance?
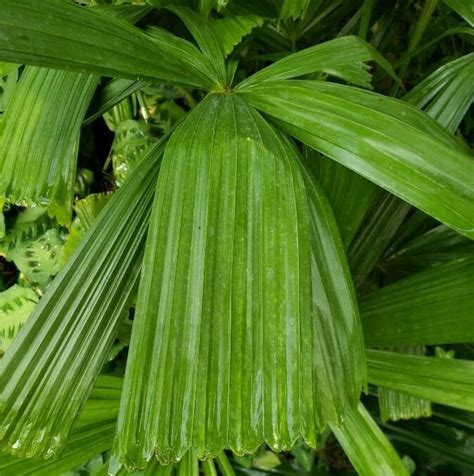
(37, 144)
(93, 434)
(65, 342)
(230, 30)
(342, 57)
(225, 349)
(440, 380)
(349, 194)
(446, 94)
(383, 139)
(40, 137)
(463, 8)
(84, 40)
(401, 406)
(431, 307)
(366, 446)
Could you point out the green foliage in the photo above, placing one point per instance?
(197, 198)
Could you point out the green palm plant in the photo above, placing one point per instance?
(238, 236)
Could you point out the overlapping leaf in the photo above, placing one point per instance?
(349, 194)
(62, 35)
(92, 434)
(343, 57)
(235, 309)
(401, 406)
(440, 380)
(38, 147)
(40, 137)
(65, 342)
(383, 139)
(432, 307)
(366, 446)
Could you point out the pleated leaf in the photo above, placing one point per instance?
(343, 57)
(448, 93)
(62, 35)
(367, 447)
(445, 381)
(235, 308)
(65, 342)
(464, 8)
(437, 246)
(293, 9)
(38, 147)
(349, 194)
(401, 406)
(432, 307)
(383, 220)
(40, 137)
(383, 139)
(230, 30)
(93, 434)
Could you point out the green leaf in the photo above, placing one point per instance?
(108, 96)
(132, 140)
(294, 9)
(258, 345)
(447, 93)
(383, 139)
(398, 405)
(16, 304)
(230, 30)
(349, 194)
(7, 68)
(437, 246)
(62, 35)
(34, 245)
(38, 147)
(366, 446)
(374, 236)
(342, 57)
(205, 37)
(445, 381)
(444, 438)
(87, 210)
(93, 434)
(431, 307)
(66, 340)
(464, 8)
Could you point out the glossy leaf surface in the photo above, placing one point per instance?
(366, 446)
(383, 139)
(62, 35)
(65, 342)
(38, 147)
(440, 380)
(342, 57)
(432, 307)
(235, 301)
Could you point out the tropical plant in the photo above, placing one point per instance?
(255, 224)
